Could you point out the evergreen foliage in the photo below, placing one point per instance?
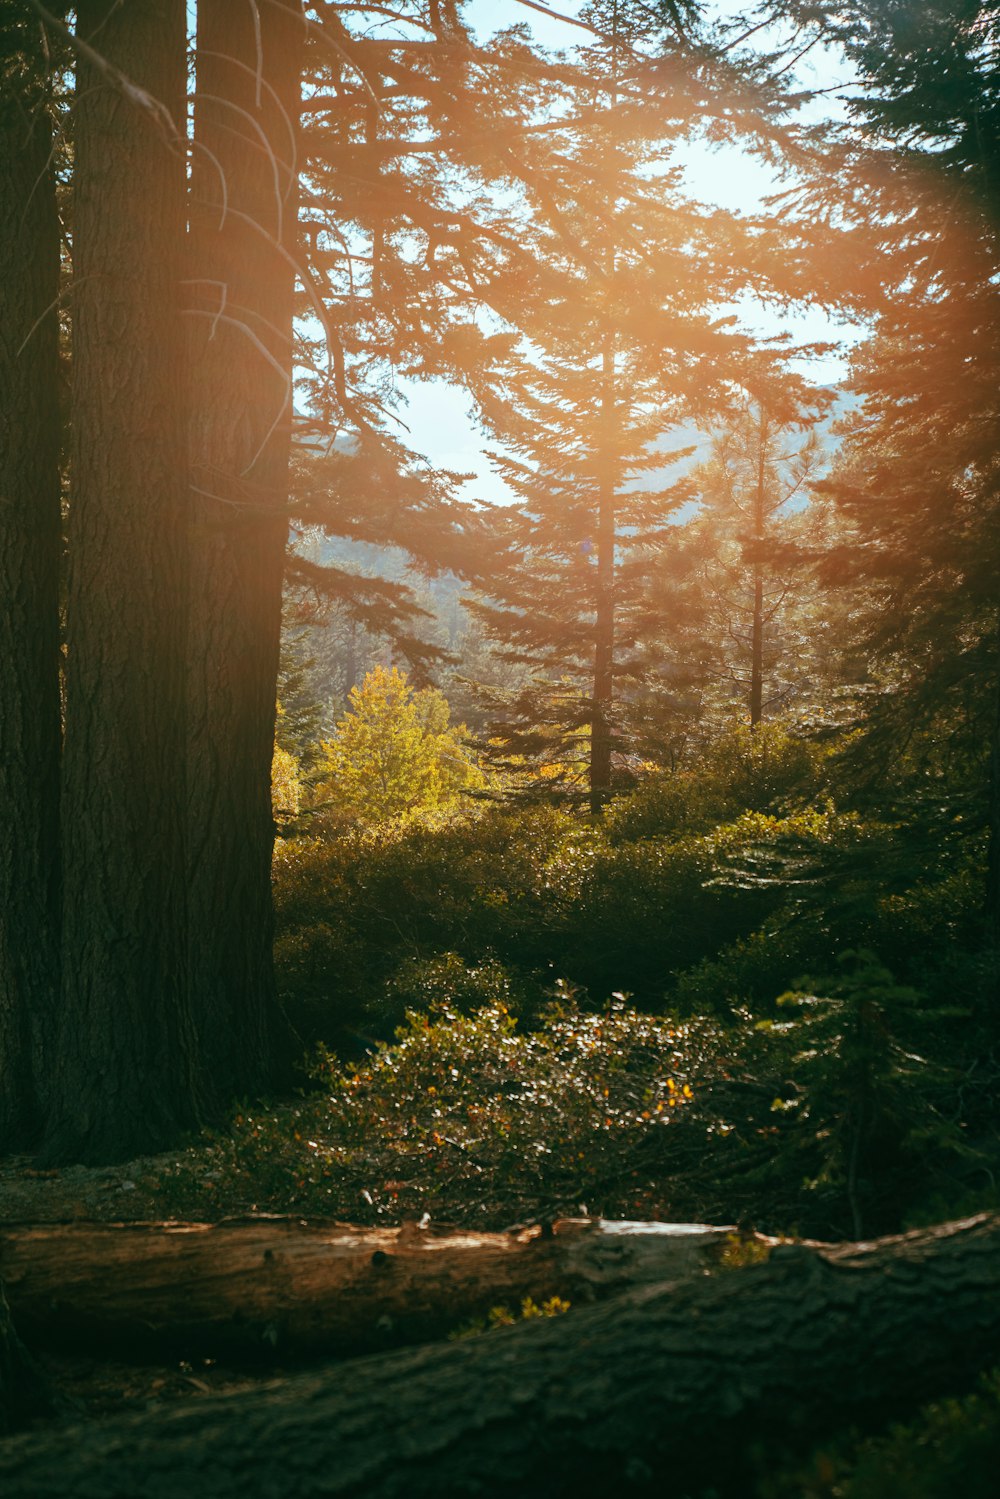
(625, 345)
(911, 181)
(753, 534)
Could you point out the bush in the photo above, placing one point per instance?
(867, 1101)
(763, 770)
(448, 982)
(472, 1119)
(352, 910)
(648, 910)
(745, 974)
(537, 890)
(766, 769)
(952, 1448)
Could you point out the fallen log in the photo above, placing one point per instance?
(288, 1286)
(662, 1388)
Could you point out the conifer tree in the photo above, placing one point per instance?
(623, 347)
(123, 1019)
(754, 546)
(912, 180)
(244, 243)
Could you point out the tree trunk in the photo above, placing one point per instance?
(121, 1075)
(661, 1389)
(601, 741)
(757, 624)
(240, 314)
(282, 1286)
(992, 901)
(30, 550)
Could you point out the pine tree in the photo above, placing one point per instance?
(124, 1020)
(244, 195)
(623, 347)
(754, 538)
(913, 181)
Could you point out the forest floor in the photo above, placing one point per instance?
(106, 1194)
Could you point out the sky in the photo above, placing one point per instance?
(441, 426)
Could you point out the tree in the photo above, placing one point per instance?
(124, 1019)
(286, 784)
(174, 587)
(30, 563)
(752, 544)
(912, 180)
(394, 753)
(624, 346)
(244, 193)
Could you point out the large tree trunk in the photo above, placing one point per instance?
(240, 310)
(992, 901)
(30, 549)
(660, 1390)
(282, 1286)
(121, 1077)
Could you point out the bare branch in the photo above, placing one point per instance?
(262, 349)
(255, 125)
(259, 44)
(556, 15)
(140, 97)
(235, 62)
(200, 146)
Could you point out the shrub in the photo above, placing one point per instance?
(648, 910)
(448, 982)
(766, 769)
(352, 910)
(472, 1119)
(866, 1098)
(747, 973)
(762, 770)
(951, 1448)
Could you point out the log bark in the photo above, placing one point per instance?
(276, 1286)
(665, 1385)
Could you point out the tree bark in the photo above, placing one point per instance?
(663, 1387)
(30, 552)
(121, 1080)
(244, 208)
(992, 900)
(280, 1286)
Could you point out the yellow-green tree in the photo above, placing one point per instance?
(286, 786)
(395, 752)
